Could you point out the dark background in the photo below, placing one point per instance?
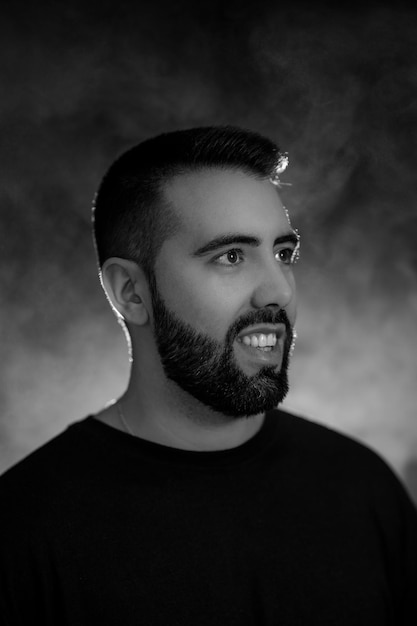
(336, 87)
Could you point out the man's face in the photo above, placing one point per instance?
(224, 294)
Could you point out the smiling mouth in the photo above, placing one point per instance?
(260, 341)
(262, 348)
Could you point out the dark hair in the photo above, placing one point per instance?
(131, 217)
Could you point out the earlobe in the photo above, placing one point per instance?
(125, 286)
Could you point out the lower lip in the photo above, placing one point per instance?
(260, 357)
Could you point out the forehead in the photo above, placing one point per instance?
(212, 202)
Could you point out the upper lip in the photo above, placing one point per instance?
(265, 329)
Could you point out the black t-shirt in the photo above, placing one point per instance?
(299, 525)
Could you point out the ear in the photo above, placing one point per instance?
(126, 287)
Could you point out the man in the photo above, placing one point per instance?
(192, 499)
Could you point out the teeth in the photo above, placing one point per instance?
(272, 340)
(260, 340)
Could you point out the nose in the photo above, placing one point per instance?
(276, 287)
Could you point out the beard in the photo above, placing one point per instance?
(208, 370)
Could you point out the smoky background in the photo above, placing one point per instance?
(335, 87)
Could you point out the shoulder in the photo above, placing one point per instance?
(47, 469)
(341, 460)
(317, 440)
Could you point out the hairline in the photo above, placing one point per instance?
(164, 203)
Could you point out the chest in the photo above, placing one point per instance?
(208, 555)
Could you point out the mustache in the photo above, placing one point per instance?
(263, 316)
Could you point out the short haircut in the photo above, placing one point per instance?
(131, 216)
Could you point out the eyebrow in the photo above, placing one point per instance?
(236, 238)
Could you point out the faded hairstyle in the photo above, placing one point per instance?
(131, 216)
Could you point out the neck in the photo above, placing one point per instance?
(156, 409)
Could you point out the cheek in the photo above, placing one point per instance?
(292, 307)
(207, 307)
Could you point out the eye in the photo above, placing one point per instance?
(230, 258)
(288, 256)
